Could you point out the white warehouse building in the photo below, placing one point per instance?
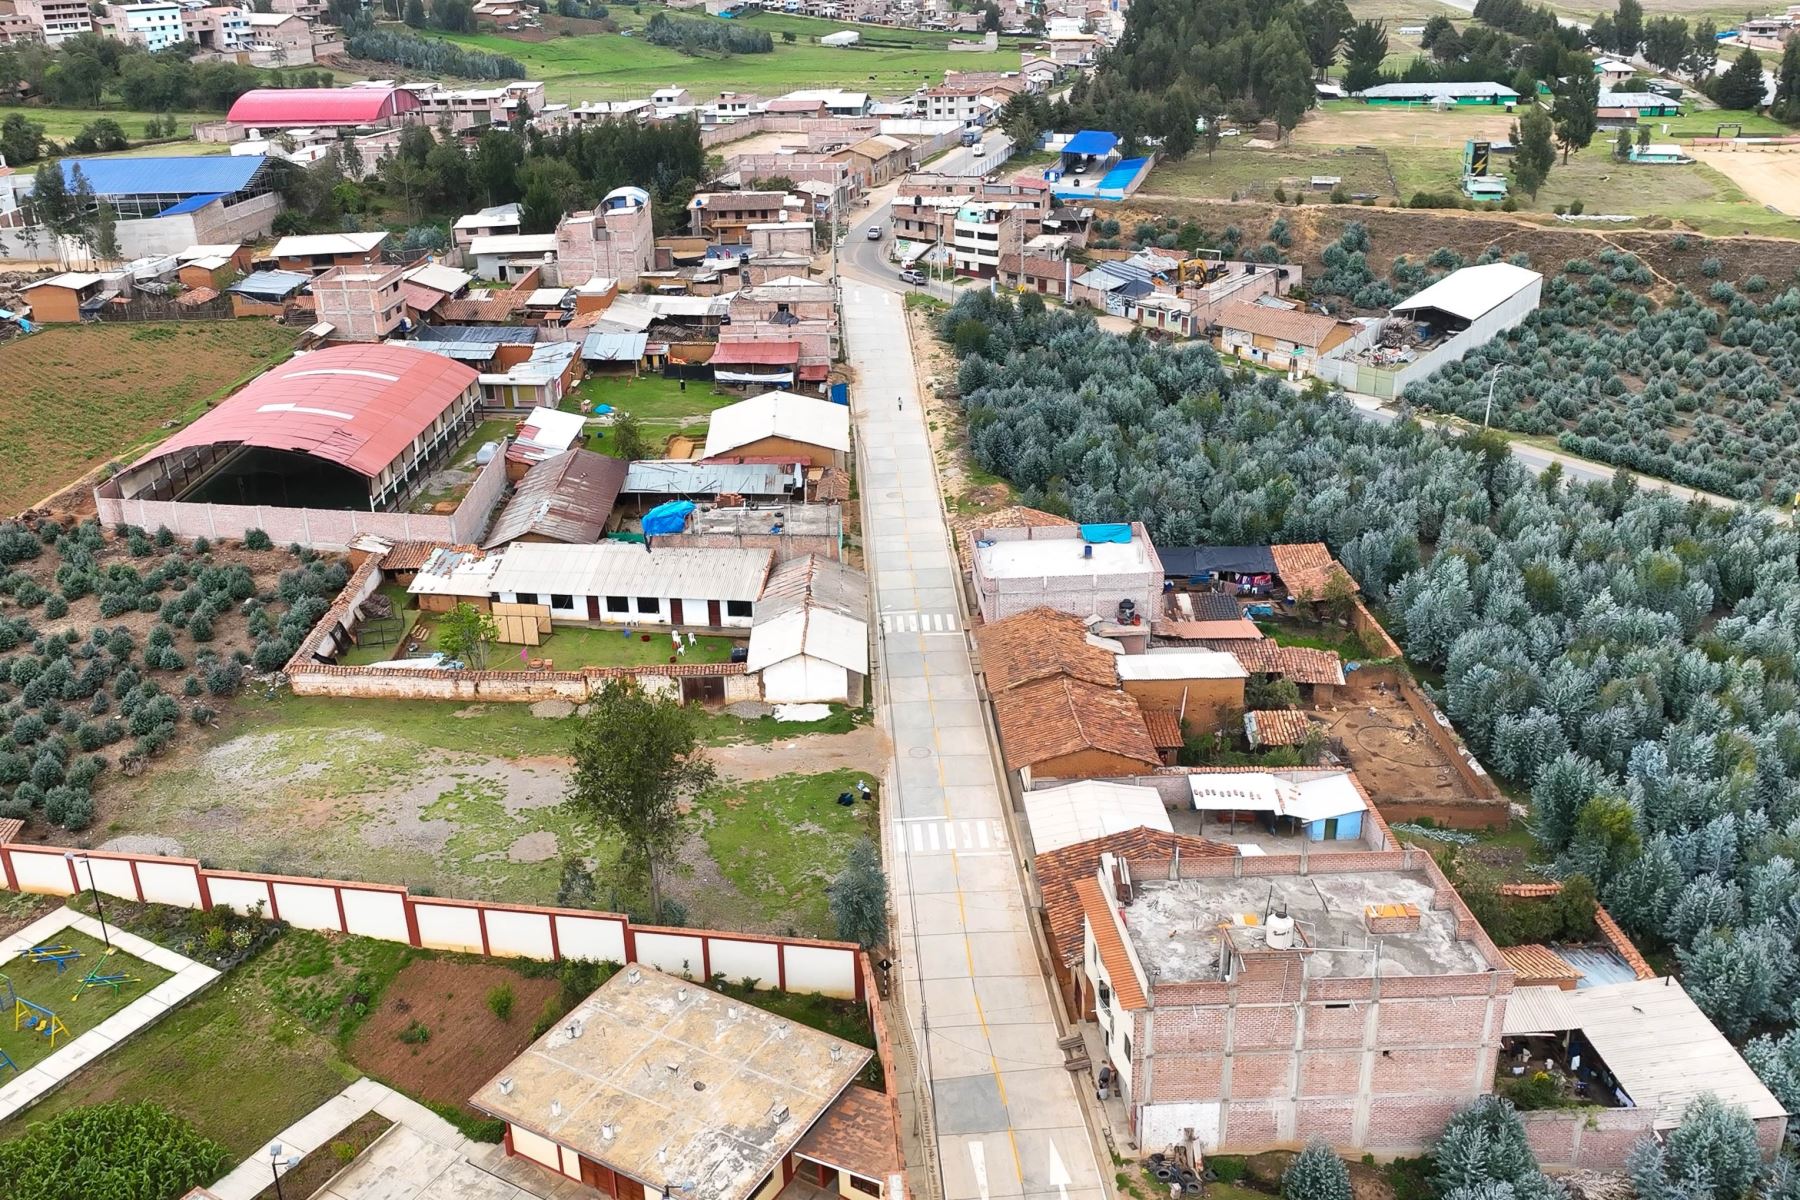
(810, 639)
(620, 583)
(1459, 313)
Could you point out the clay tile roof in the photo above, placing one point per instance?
(1053, 717)
(408, 556)
(1039, 643)
(1059, 870)
(194, 297)
(10, 829)
(1603, 922)
(1526, 890)
(1301, 664)
(1277, 727)
(1305, 567)
(1537, 962)
(1165, 729)
(1284, 324)
(833, 486)
(1096, 909)
(856, 1134)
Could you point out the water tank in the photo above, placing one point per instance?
(1280, 935)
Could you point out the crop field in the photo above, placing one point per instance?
(1697, 390)
(612, 65)
(80, 395)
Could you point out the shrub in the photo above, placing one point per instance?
(202, 715)
(111, 1152)
(72, 808)
(500, 1001)
(256, 539)
(55, 607)
(1712, 267)
(1316, 1173)
(415, 1033)
(225, 679)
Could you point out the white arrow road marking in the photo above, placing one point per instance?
(1059, 1174)
(978, 1157)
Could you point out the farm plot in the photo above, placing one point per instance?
(79, 395)
(115, 648)
(1699, 391)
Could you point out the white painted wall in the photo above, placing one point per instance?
(39, 872)
(447, 927)
(540, 1150)
(241, 894)
(745, 960)
(591, 938)
(671, 953)
(110, 875)
(170, 883)
(520, 934)
(376, 914)
(307, 906)
(806, 680)
(821, 969)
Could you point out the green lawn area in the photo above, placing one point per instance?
(64, 123)
(579, 646)
(609, 66)
(380, 649)
(1706, 122)
(1695, 193)
(79, 1008)
(490, 430)
(1236, 171)
(780, 841)
(653, 399)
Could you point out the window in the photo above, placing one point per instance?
(617, 604)
(557, 601)
(864, 1186)
(1128, 1047)
(528, 598)
(648, 604)
(737, 608)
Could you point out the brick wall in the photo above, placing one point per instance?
(1593, 1139)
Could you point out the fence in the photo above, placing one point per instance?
(390, 913)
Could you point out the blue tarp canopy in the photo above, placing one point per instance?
(1106, 533)
(1092, 141)
(668, 518)
(191, 204)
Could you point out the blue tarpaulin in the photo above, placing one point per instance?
(1106, 533)
(668, 518)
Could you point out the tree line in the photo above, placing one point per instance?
(1629, 658)
(706, 37)
(84, 70)
(431, 55)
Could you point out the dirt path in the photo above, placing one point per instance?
(864, 748)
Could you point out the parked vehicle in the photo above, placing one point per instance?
(979, 150)
(912, 277)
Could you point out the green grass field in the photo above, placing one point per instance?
(653, 399)
(611, 66)
(81, 1009)
(1237, 172)
(572, 646)
(64, 123)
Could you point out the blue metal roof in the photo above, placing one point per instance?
(614, 347)
(177, 175)
(191, 203)
(1091, 141)
(277, 285)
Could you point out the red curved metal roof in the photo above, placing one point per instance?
(357, 406)
(320, 106)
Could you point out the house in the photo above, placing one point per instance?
(280, 39)
(166, 203)
(361, 303)
(809, 641)
(1090, 808)
(781, 427)
(1440, 94)
(651, 481)
(426, 287)
(614, 241)
(495, 221)
(453, 575)
(1645, 104)
(789, 309)
(509, 257)
(215, 271)
(543, 434)
(1200, 688)
(268, 293)
(538, 381)
(1106, 571)
(69, 297)
(1357, 1001)
(878, 158)
(1057, 701)
(657, 1086)
(567, 497)
(602, 349)
(616, 583)
(489, 349)
(1278, 337)
(1612, 72)
(317, 252)
(1323, 804)
(724, 216)
(475, 108)
(1113, 286)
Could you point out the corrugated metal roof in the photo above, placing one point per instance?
(567, 498)
(307, 244)
(615, 569)
(814, 606)
(357, 406)
(1472, 292)
(1180, 664)
(1091, 141)
(601, 346)
(170, 175)
(1303, 794)
(1079, 812)
(270, 285)
(319, 106)
(1431, 91)
(1598, 965)
(782, 415)
(1654, 1039)
(191, 204)
(522, 335)
(440, 278)
(680, 477)
(768, 354)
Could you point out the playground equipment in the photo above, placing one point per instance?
(94, 979)
(60, 955)
(37, 1020)
(6, 1061)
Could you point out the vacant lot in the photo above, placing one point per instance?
(613, 65)
(1354, 124)
(1769, 178)
(467, 801)
(79, 395)
(64, 123)
(1236, 171)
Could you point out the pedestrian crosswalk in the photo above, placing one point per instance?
(936, 836)
(910, 621)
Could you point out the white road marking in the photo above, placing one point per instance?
(978, 1159)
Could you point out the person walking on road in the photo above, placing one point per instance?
(899, 403)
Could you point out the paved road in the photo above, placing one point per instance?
(868, 261)
(1005, 1114)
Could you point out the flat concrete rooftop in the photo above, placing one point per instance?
(796, 519)
(1061, 557)
(1174, 925)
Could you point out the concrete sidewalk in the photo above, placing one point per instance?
(1004, 1113)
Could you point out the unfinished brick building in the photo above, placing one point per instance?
(1258, 1001)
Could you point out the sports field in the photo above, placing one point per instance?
(608, 66)
(1768, 177)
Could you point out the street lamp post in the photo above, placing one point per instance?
(1493, 378)
(93, 891)
(278, 1161)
